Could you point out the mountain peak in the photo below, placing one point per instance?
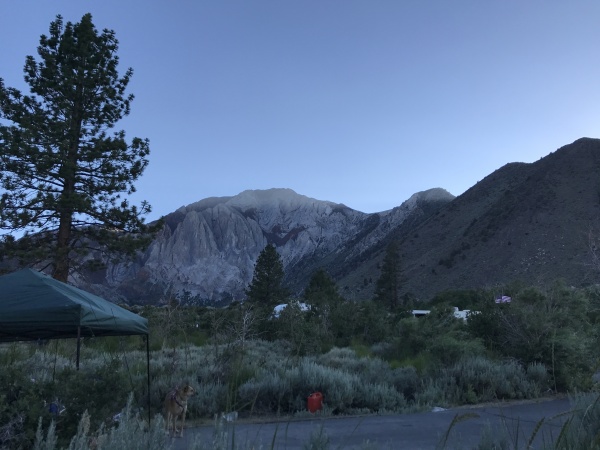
(281, 197)
(434, 195)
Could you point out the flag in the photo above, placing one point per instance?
(503, 299)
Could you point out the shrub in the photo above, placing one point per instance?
(550, 327)
(406, 381)
(132, 433)
(21, 405)
(538, 375)
(103, 391)
(371, 370)
(286, 390)
(477, 379)
(449, 349)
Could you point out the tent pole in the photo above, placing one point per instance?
(148, 371)
(78, 346)
(55, 356)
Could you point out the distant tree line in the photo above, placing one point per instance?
(556, 328)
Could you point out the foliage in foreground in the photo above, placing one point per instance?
(261, 379)
(433, 361)
(580, 431)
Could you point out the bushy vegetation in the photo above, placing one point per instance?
(362, 357)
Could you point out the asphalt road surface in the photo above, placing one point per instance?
(420, 431)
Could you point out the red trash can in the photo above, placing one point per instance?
(315, 402)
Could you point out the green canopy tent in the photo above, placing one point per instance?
(34, 306)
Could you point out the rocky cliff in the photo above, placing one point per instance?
(206, 251)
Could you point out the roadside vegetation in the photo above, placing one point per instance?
(362, 357)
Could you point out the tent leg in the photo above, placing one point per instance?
(55, 356)
(78, 347)
(148, 372)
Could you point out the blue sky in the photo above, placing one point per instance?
(356, 102)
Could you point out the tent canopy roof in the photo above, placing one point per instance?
(35, 306)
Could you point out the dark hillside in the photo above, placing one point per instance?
(524, 222)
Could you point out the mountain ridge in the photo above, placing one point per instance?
(525, 222)
(207, 249)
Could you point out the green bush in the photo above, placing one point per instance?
(538, 375)
(286, 390)
(103, 391)
(551, 328)
(371, 370)
(406, 381)
(478, 379)
(23, 401)
(449, 349)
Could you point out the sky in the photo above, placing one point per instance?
(357, 102)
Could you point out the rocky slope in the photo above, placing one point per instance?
(207, 250)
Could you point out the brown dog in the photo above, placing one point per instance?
(176, 406)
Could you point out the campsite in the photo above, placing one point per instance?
(125, 371)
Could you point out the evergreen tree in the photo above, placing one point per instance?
(321, 292)
(64, 175)
(266, 289)
(388, 284)
(329, 307)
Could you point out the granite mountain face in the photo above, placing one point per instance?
(207, 250)
(528, 222)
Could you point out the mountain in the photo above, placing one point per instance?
(529, 222)
(207, 250)
(533, 223)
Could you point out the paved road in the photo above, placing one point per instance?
(422, 431)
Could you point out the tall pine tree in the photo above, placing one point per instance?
(266, 289)
(321, 292)
(333, 314)
(387, 290)
(65, 175)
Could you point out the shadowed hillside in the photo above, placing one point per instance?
(524, 222)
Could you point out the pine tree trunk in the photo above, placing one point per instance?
(61, 267)
(63, 239)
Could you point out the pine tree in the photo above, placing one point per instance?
(266, 288)
(321, 292)
(329, 308)
(388, 284)
(65, 177)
